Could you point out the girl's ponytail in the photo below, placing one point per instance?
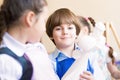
(2, 24)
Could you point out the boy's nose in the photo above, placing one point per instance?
(65, 31)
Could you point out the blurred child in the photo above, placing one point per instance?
(22, 56)
(95, 42)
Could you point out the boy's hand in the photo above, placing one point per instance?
(86, 76)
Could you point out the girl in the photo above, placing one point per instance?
(103, 52)
(22, 56)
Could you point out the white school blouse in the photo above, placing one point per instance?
(10, 69)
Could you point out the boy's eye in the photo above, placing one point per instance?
(57, 28)
(70, 27)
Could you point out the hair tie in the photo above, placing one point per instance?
(107, 45)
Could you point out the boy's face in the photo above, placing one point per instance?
(64, 35)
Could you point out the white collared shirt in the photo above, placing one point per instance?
(10, 69)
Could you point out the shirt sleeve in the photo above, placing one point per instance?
(10, 69)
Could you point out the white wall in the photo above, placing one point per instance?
(102, 10)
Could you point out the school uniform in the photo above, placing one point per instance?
(62, 63)
(11, 69)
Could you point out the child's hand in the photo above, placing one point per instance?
(86, 76)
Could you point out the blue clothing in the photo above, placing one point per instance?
(63, 66)
(63, 63)
(118, 64)
(89, 67)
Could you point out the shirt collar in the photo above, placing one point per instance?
(17, 47)
(60, 55)
(77, 47)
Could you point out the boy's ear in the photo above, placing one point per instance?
(30, 18)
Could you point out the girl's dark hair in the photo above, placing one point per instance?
(92, 21)
(110, 53)
(61, 16)
(84, 23)
(12, 10)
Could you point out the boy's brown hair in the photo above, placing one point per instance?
(61, 16)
